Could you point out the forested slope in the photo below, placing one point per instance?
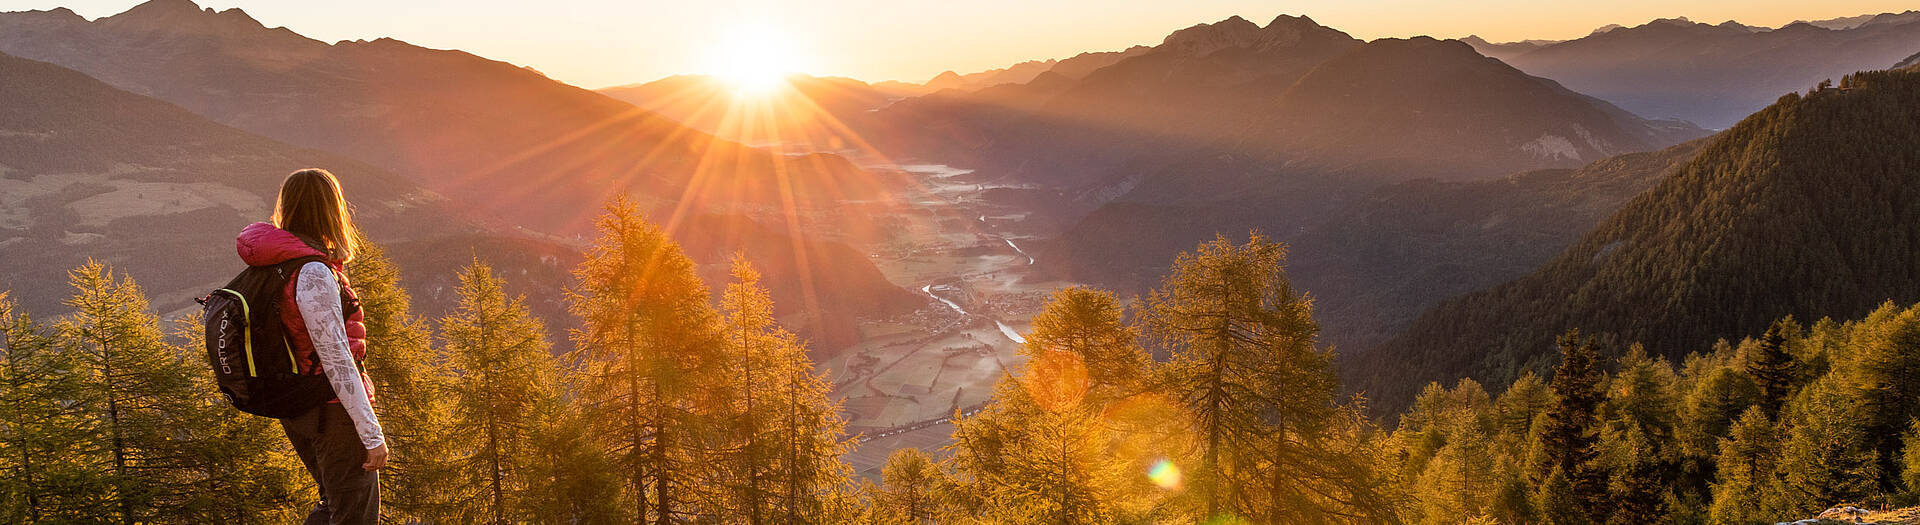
(1809, 208)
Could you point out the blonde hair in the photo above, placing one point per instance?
(312, 205)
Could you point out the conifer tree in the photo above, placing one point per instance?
(1773, 368)
(241, 468)
(1517, 408)
(1745, 484)
(786, 440)
(910, 490)
(649, 352)
(1258, 391)
(1910, 465)
(1827, 456)
(578, 484)
(1569, 430)
(1888, 375)
(47, 466)
(409, 385)
(1637, 441)
(1047, 448)
(507, 379)
(1086, 323)
(1557, 502)
(134, 384)
(173, 451)
(1462, 476)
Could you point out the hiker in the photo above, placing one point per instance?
(339, 440)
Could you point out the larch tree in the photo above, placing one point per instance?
(649, 357)
(505, 378)
(1461, 476)
(47, 469)
(1051, 447)
(242, 469)
(134, 385)
(1826, 456)
(911, 490)
(1259, 392)
(1887, 374)
(785, 437)
(409, 383)
(173, 452)
(1637, 438)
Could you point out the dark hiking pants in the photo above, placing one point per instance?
(326, 442)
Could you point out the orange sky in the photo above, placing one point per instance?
(597, 43)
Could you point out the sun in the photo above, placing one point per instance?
(754, 60)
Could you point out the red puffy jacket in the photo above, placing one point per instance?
(263, 244)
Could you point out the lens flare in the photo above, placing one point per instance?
(1165, 474)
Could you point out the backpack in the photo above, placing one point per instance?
(248, 348)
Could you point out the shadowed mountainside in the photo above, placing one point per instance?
(521, 147)
(88, 171)
(1808, 208)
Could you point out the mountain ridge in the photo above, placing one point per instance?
(1806, 208)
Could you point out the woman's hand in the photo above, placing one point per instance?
(376, 458)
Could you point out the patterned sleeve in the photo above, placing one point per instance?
(319, 299)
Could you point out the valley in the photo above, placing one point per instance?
(908, 375)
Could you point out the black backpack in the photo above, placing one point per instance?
(249, 350)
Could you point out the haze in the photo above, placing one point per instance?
(594, 43)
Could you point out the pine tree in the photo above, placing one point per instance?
(47, 469)
(410, 383)
(1773, 368)
(650, 356)
(506, 378)
(1569, 430)
(1260, 394)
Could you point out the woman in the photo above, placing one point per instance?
(340, 442)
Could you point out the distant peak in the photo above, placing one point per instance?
(1285, 30)
(150, 7)
(57, 13)
(944, 79)
(1606, 28)
(1289, 20)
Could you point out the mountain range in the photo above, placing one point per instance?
(91, 172)
(518, 152)
(1808, 208)
(1715, 75)
(520, 147)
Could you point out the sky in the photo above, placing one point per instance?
(599, 43)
